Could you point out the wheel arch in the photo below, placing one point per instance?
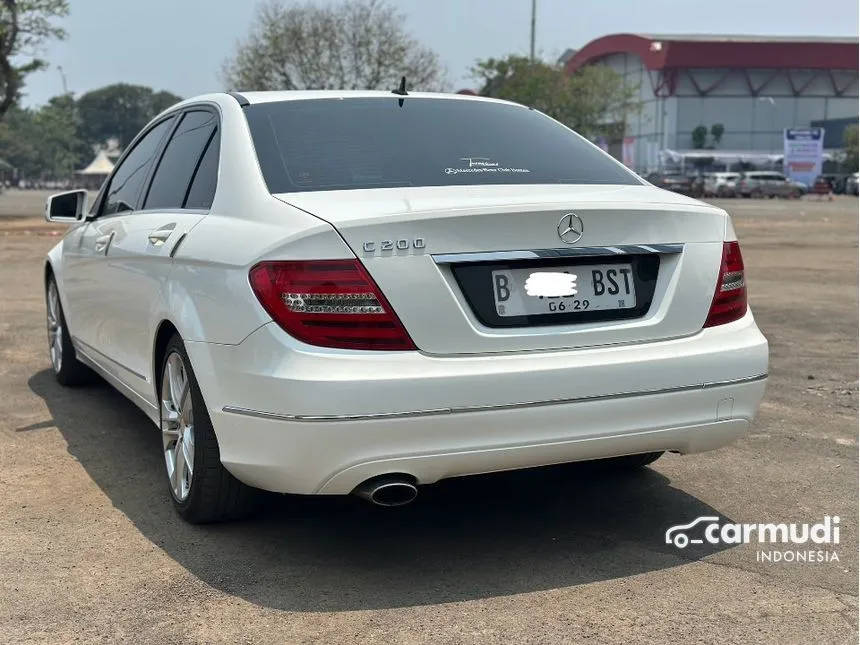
(164, 332)
(47, 272)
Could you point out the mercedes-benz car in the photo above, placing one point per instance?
(327, 293)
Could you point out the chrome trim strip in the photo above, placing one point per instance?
(147, 407)
(92, 350)
(537, 254)
(230, 409)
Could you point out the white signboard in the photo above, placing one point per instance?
(804, 150)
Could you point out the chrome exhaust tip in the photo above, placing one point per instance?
(388, 490)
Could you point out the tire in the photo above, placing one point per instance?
(68, 370)
(631, 462)
(208, 493)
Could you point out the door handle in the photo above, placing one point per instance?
(159, 236)
(103, 242)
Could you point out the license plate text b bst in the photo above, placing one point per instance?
(597, 287)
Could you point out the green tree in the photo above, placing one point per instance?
(119, 111)
(18, 135)
(717, 131)
(849, 146)
(353, 45)
(44, 143)
(25, 25)
(699, 137)
(593, 101)
(60, 146)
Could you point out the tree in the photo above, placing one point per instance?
(593, 101)
(850, 148)
(355, 45)
(61, 149)
(25, 25)
(717, 132)
(119, 111)
(699, 137)
(44, 143)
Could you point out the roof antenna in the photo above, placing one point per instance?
(401, 91)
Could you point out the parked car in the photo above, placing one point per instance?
(851, 184)
(837, 182)
(799, 187)
(327, 293)
(765, 183)
(676, 182)
(720, 184)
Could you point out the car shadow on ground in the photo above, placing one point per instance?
(463, 539)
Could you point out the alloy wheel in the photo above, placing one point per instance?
(55, 327)
(177, 426)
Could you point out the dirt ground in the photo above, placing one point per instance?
(90, 550)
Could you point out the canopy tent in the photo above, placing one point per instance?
(729, 157)
(101, 165)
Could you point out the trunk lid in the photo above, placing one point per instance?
(437, 253)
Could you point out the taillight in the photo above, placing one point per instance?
(328, 303)
(730, 299)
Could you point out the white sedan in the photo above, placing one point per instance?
(363, 292)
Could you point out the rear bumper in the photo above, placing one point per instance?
(290, 418)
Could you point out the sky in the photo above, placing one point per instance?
(180, 45)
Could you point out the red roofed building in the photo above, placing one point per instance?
(755, 86)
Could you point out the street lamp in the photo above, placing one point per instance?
(63, 77)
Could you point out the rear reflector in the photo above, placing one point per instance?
(730, 299)
(328, 303)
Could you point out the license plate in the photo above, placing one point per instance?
(563, 290)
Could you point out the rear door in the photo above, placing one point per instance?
(780, 185)
(140, 256)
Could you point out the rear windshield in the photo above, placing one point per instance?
(338, 144)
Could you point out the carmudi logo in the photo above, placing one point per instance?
(708, 529)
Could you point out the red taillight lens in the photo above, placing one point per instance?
(730, 300)
(329, 303)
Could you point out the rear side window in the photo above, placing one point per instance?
(180, 160)
(124, 191)
(205, 180)
(353, 143)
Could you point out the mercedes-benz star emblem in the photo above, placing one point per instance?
(570, 228)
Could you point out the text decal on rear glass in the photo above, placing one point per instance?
(481, 165)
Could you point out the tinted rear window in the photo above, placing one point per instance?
(338, 144)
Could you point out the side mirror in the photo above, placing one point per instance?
(66, 207)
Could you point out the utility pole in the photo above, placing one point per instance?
(534, 12)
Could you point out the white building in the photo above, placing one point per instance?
(753, 86)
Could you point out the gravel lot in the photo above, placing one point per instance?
(91, 551)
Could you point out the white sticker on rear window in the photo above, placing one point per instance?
(481, 165)
(457, 171)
